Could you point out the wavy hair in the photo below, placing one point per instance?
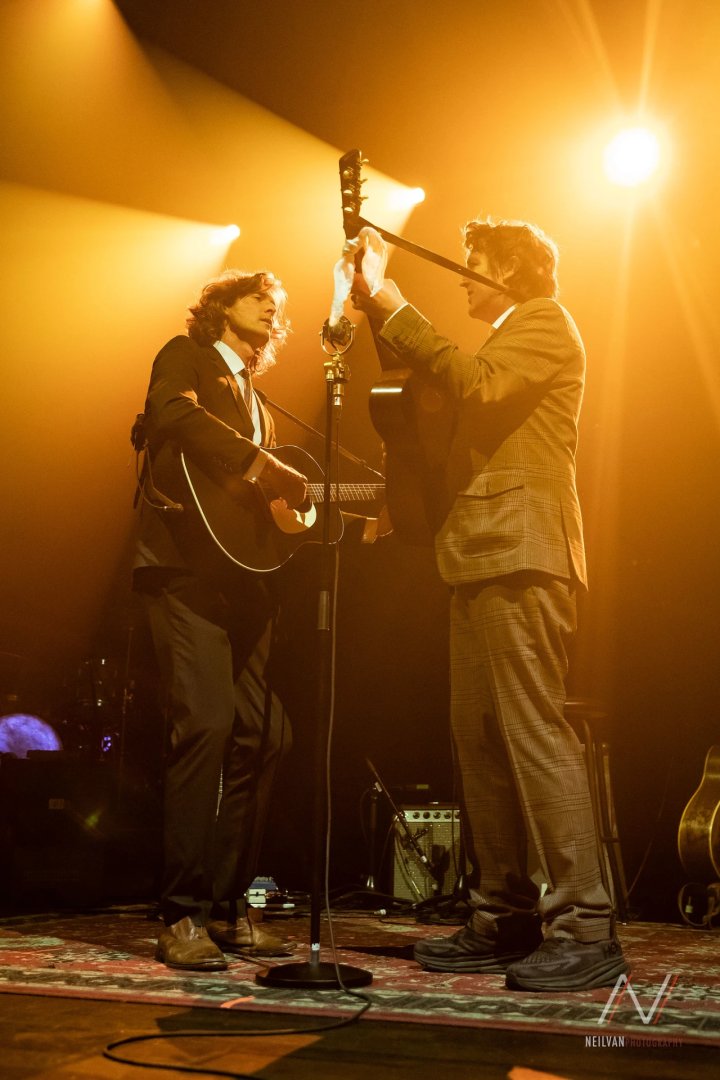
(537, 255)
(207, 320)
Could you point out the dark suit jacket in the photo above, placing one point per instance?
(195, 405)
(511, 468)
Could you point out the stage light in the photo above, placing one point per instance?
(402, 198)
(632, 156)
(224, 236)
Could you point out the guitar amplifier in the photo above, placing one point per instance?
(436, 833)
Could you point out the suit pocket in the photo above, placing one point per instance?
(489, 515)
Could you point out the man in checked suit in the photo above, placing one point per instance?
(511, 550)
(211, 623)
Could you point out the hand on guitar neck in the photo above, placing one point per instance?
(376, 527)
(379, 307)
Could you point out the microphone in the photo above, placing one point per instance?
(338, 336)
(414, 838)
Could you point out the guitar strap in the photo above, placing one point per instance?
(439, 260)
(146, 489)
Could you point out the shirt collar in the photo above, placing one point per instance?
(501, 318)
(231, 358)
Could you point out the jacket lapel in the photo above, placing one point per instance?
(246, 425)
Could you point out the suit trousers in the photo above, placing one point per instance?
(227, 732)
(521, 766)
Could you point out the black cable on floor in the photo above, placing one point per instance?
(191, 1034)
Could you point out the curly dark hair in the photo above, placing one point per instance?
(207, 320)
(537, 255)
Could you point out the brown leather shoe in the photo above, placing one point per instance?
(187, 946)
(245, 938)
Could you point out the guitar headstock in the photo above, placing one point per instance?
(350, 189)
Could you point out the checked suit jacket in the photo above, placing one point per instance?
(193, 404)
(511, 464)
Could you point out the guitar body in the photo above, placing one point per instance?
(699, 830)
(252, 531)
(416, 420)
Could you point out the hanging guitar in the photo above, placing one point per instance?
(260, 533)
(411, 412)
(699, 848)
(699, 830)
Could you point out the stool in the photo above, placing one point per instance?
(589, 721)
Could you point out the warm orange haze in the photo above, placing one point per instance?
(147, 147)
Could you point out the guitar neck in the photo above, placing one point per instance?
(347, 492)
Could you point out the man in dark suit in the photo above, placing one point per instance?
(511, 549)
(212, 622)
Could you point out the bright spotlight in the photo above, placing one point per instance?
(631, 157)
(224, 236)
(403, 198)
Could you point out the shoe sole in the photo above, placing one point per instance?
(471, 966)
(207, 965)
(250, 950)
(603, 974)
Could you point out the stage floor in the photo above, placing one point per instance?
(61, 970)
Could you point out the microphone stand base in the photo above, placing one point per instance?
(314, 976)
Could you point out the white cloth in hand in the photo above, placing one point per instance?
(374, 262)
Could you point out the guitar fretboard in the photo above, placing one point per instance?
(347, 492)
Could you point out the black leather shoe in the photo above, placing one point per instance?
(564, 964)
(188, 947)
(469, 951)
(245, 938)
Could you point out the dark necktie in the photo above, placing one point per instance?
(247, 389)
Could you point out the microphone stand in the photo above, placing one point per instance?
(410, 837)
(370, 885)
(314, 974)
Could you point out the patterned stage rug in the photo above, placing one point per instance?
(673, 997)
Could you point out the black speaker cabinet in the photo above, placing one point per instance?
(428, 864)
(55, 811)
(76, 831)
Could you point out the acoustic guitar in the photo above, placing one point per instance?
(256, 531)
(699, 830)
(416, 420)
(412, 413)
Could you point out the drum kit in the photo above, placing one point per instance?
(80, 782)
(95, 720)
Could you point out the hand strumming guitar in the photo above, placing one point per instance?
(279, 480)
